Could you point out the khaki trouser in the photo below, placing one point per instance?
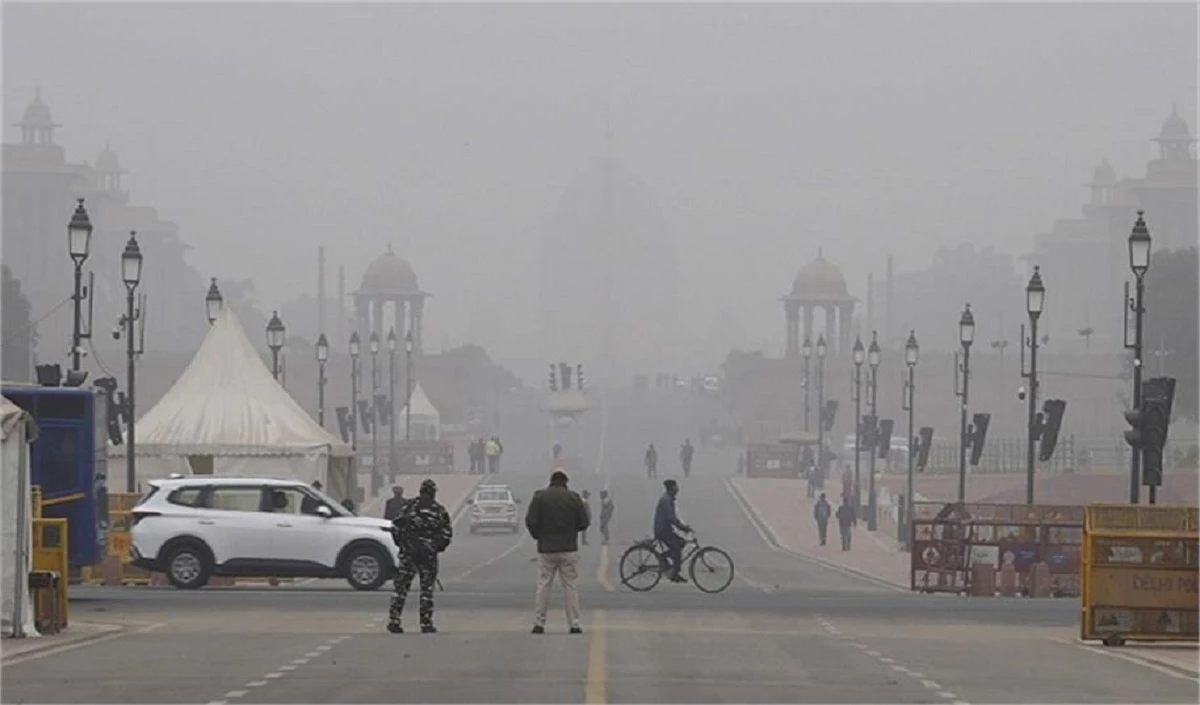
(566, 566)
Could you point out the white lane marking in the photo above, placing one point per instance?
(1127, 658)
(273, 675)
(489, 561)
(235, 694)
(947, 695)
(916, 674)
(288, 667)
(300, 661)
(899, 669)
(871, 652)
(931, 684)
(324, 647)
(313, 654)
(80, 644)
(217, 702)
(885, 659)
(255, 684)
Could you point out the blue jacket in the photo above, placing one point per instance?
(664, 516)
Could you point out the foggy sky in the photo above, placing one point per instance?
(452, 131)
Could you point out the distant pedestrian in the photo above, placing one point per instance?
(651, 462)
(587, 507)
(606, 512)
(554, 519)
(846, 518)
(395, 504)
(686, 451)
(822, 512)
(499, 451)
(810, 485)
(492, 449)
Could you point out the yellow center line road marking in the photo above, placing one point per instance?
(596, 687)
(602, 570)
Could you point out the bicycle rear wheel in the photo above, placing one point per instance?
(711, 569)
(641, 568)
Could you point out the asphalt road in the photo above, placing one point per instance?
(787, 630)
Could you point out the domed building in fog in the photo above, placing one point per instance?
(609, 287)
(389, 279)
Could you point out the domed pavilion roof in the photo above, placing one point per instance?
(37, 113)
(1175, 128)
(107, 160)
(820, 279)
(1104, 175)
(389, 274)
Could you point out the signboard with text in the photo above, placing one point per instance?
(425, 458)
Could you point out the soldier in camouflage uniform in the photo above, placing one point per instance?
(421, 531)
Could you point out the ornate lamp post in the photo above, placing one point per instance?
(1035, 300)
(806, 350)
(79, 239)
(213, 302)
(820, 411)
(912, 353)
(966, 336)
(873, 361)
(276, 332)
(859, 355)
(1139, 262)
(376, 476)
(408, 384)
(131, 274)
(391, 344)
(322, 358)
(354, 343)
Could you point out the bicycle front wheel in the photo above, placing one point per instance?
(641, 568)
(711, 569)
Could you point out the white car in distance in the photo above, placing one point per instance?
(494, 507)
(193, 528)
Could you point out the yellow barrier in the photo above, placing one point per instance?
(37, 502)
(50, 554)
(1140, 573)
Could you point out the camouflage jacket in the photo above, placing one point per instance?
(422, 530)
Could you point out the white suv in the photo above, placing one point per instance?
(493, 506)
(195, 527)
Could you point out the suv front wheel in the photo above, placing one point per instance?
(366, 568)
(187, 567)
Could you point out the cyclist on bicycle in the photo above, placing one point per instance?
(665, 524)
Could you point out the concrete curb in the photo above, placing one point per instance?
(16, 650)
(777, 545)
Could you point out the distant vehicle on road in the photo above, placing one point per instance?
(494, 507)
(712, 384)
(196, 527)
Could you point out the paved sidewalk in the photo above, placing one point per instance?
(1070, 489)
(786, 513)
(453, 491)
(77, 632)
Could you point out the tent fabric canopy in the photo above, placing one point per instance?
(227, 403)
(422, 408)
(16, 538)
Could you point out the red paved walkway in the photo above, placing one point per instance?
(782, 507)
(1075, 489)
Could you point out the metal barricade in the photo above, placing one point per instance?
(1140, 574)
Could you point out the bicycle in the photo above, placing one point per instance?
(646, 561)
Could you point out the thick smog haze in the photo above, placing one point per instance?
(763, 132)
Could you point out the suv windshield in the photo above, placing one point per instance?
(493, 496)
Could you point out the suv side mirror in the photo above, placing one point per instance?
(324, 511)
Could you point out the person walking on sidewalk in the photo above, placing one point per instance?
(554, 519)
(492, 448)
(686, 451)
(651, 462)
(606, 512)
(822, 512)
(846, 518)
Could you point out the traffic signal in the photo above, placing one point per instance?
(978, 435)
(884, 437)
(564, 371)
(383, 409)
(924, 443)
(364, 413)
(579, 375)
(866, 432)
(553, 377)
(1053, 411)
(1158, 396)
(829, 413)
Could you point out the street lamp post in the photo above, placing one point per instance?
(408, 384)
(912, 353)
(275, 335)
(966, 336)
(1035, 300)
(873, 361)
(376, 476)
(1139, 262)
(322, 358)
(859, 354)
(821, 411)
(213, 302)
(131, 274)
(354, 343)
(391, 344)
(807, 351)
(79, 239)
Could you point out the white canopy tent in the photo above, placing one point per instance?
(426, 421)
(16, 512)
(226, 415)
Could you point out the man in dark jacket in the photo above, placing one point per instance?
(394, 504)
(555, 517)
(421, 531)
(846, 518)
(822, 512)
(665, 523)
